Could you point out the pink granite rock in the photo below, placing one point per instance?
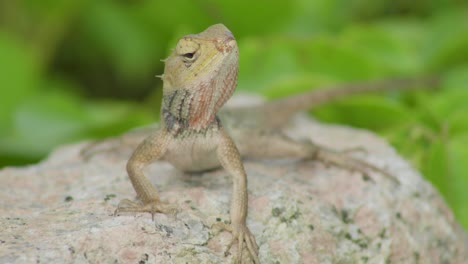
(61, 210)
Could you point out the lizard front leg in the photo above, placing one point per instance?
(230, 159)
(151, 149)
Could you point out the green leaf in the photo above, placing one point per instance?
(18, 79)
(447, 44)
(456, 78)
(265, 62)
(366, 111)
(328, 57)
(268, 61)
(111, 118)
(56, 117)
(48, 22)
(395, 54)
(449, 108)
(47, 120)
(436, 165)
(296, 84)
(446, 167)
(415, 132)
(458, 177)
(117, 35)
(246, 17)
(35, 134)
(166, 17)
(318, 17)
(458, 121)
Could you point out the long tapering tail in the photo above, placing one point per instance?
(278, 112)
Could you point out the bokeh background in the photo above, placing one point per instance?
(82, 69)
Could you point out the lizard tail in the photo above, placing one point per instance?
(281, 110)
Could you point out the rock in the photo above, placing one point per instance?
(61, 210)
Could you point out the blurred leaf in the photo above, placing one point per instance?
(458, 121)
(245, 18)
(330, 57)
(391, 52)
(166, 17)
(111, 118)
(56, 117)
(118, 36)
(450, 108)
(18, 79)
(296, 84)
(312, 17)
(265, 62)
(43, 122)
(447, 45)
(445, 108)
(370, 112)
(436, 165)
(269, 61)
(53, 116)
(458, 177)
(456, 78)
(46, 24)
(415, 132)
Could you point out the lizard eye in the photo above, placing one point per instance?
(189, 57)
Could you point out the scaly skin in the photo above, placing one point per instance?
(199, 77)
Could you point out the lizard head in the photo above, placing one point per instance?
(200, 76)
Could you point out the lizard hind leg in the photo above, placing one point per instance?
(277, 145)
(266, 144)
(344, 160)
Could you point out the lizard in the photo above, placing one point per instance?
(195, 135)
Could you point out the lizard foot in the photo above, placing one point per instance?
(344, 160)
(151, 207)
(242, 235)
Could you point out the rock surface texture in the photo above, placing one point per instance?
(61, 210)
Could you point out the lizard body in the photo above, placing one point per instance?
(199, 77)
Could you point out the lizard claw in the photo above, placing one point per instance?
(151, 207)
(242, 235)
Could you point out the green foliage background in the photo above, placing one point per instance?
(74, 70)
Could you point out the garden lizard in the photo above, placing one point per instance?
(199, 77)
